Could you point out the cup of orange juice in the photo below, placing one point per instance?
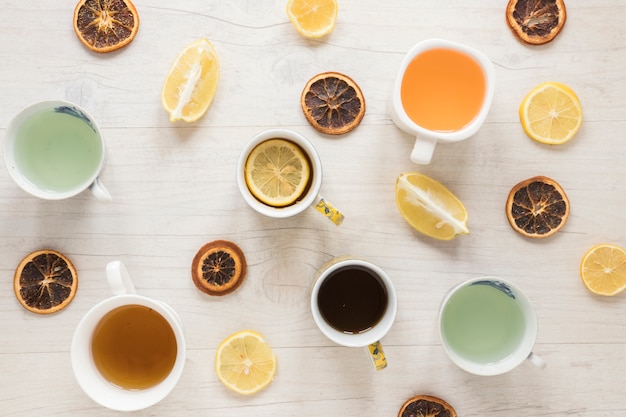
(442, 93)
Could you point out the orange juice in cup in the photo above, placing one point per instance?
(442, 92)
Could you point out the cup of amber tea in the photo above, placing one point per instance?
(128, 351)
(442, 93)
(354, 304)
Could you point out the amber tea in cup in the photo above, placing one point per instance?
(134, 347)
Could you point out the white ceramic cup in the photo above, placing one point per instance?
(16, 172)
(520, 352)
(427, 139)
(311, 198)
(369, 338)
(89, 378)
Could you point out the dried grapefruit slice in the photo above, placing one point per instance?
(426, 406)
(105, 25)
(218, 268)
(536, 21)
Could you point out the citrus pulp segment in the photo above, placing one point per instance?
(551, 113)
(104, 26)
(277, 172)
(191, 83)
(313, 18)
(245, 363)
(603, 269)
(429, 207)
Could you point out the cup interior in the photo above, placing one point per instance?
(523, 344)
(91, 380)
(380, 329)
(18, 172)
(310, 195)
(402, 119)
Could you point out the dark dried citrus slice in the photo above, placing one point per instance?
(218, 268)
(45, 281)
(537, 207)
(536, 21)
(426, 406)
(105, 25)
(333, 103)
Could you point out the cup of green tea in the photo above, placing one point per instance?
(128, 351)
(488, 326)
(354, 304)
(54, 150)
(442, 93)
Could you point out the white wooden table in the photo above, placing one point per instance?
(174, 189)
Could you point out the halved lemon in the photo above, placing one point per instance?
(551, 113)
(603, 269)
(313, 18)
(277, 172)
(429, 207)
(245, 363)
(191, 82)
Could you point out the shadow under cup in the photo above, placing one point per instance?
(84, 363)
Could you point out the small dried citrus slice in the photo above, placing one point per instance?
(277, 172)
(536, 21)
(603, 269)
(429, 207)
(332, 103)
(245, 363)
(218, 268)
(551, 113)
(105, 25)
(45, 281)
(313, 18)
(426, 406)
(537, 207)
(191, 83)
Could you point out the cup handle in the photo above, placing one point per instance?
(329, 211)
(99, 191)
(423, 150)
(377, 356)
(119, 279)
(536, 360)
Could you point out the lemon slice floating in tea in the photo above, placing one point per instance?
(313, 18)
(191, 83)
(429, 207)
(45, 281)
(603, 269)
(551, 113)
(277, 172)
(104, 26)
(245, 363)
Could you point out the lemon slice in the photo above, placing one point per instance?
(313, 18)
(603, 269)
(191, 82)
(429, 207)
(245, 363)
(551, 113)
(277, 172)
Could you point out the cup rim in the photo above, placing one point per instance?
(95, 385)
(316, 182)
(370, 336)
(407, 124)
(509, 363)
(11, 165)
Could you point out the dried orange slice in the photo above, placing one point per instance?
(218, 268)
(426, 406)
(277, 172)
(537, 207)
(45, 281)
(313, 18)
(603, 269)
(245, 363)
(536, 21)
(105, 25)
(332, 103)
